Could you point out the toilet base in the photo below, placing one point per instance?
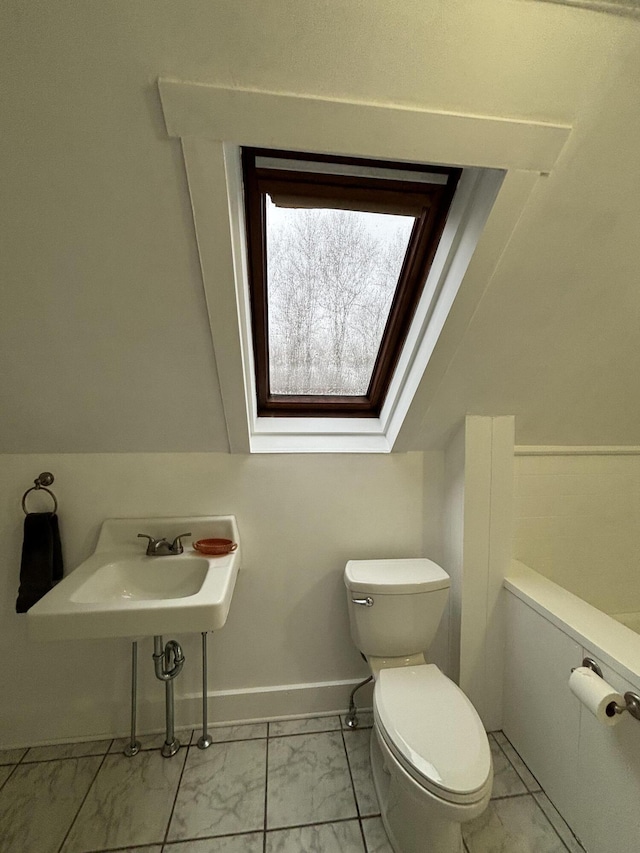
(414, 820)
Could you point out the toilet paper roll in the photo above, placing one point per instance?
(596, 695)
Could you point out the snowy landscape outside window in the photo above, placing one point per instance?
(339, 250)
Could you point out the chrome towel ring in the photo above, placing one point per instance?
(40, 484)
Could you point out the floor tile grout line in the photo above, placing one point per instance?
(19, 761)
(512, 796)
(175, 799)
(84, 799)
(123, 849)
(363, 836)
(353, 788)
(64, 758)
(297, 734)
(195, 838)
(353, 785)
(167, 846)
(353, 818)
(216, 742)
(143, 748)
(305, 825)
(521, 759)
(191, 840)
(511, 764)
(550, 822)
(154, 734)
(13, 770)
(571, 832)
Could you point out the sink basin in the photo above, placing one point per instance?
(120, 592)
(143, 579)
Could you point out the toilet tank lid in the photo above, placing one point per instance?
(395, 577)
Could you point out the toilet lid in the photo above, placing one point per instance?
(432, 728)
(395, 577)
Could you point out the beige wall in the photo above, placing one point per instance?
(578, 523)
(286, 647)
(300, 518)
(104, 340)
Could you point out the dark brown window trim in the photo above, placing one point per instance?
(429, 203)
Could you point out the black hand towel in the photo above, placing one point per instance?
(41, 565)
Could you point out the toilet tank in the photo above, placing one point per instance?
(395, 606)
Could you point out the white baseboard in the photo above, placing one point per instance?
(269, 703)
(259, 704)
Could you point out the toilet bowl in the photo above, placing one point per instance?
(430, 755)
(430, 759)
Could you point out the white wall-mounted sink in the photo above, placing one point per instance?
(120, 592)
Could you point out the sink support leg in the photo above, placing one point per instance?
(165, 672)
(205, 740)
(133, 747)
(171, 743)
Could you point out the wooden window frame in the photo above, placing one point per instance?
(428, 202)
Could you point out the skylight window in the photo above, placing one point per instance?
(331, 277)
(339, 251)
(501, 159)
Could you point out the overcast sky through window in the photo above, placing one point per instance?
(331, 278)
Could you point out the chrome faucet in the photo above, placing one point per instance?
(162, 547)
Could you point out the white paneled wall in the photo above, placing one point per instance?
(590, 772)
(609, 776)
(477, 519)
(577, 522)
(541, 716)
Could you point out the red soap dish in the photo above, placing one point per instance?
(215, 547)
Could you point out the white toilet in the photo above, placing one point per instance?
(430, 754)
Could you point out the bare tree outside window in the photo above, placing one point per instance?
(338, 251)
(331, 277)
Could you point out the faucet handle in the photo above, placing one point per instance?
(176, 545)
(151, 545)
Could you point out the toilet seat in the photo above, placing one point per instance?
(434, 732)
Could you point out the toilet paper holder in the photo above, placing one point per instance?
(632, 699)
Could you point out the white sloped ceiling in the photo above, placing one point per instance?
(104, 338)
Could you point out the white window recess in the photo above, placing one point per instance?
(501, 158)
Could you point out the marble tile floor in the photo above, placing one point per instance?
(281, 787)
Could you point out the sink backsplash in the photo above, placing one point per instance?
(121, 533)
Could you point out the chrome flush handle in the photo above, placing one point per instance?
(365, 602)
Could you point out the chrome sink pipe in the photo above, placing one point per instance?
(168, 662)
